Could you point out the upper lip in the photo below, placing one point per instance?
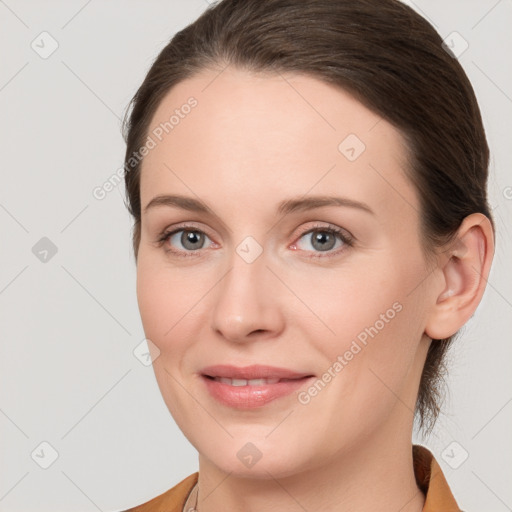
(255, 371)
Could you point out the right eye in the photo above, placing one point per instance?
(189, 237)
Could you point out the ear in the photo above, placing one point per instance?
(465, 267)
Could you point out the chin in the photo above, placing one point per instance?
(259, 460)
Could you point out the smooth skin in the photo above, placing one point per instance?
(253, 141)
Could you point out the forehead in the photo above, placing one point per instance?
(255, 133)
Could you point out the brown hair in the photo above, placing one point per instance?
(385, 54)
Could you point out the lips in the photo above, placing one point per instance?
(252, 372)
(251, 387)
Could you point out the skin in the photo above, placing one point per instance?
(253, 141)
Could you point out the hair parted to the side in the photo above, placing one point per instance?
(386, 55)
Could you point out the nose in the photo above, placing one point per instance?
(247, 302)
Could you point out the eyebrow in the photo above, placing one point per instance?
(284, 208)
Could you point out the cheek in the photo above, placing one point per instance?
(366, 320)
(159, 301)
(163, 310)
(373, 297)
(348, 300)
(151, 299)
(170, 302)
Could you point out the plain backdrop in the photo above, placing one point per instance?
(74, 397)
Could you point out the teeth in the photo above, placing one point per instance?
(244, 382)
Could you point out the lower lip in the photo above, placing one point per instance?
(251, 397)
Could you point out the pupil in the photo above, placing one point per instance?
(322, 239)
(193, 238)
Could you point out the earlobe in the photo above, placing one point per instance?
(466, 268)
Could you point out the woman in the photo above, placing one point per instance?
(311, 229)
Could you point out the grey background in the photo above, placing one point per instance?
(69, 325)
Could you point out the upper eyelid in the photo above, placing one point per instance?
(191, 224)
(186, 227)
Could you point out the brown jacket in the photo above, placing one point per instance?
(428, 474)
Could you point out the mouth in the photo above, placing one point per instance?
(251, 382)
(252, 372)
(251, 386)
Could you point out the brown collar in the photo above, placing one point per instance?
(431, 481)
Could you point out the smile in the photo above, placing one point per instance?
(251, 393)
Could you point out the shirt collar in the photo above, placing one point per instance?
(431, 481)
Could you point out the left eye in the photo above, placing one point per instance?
(322, 240)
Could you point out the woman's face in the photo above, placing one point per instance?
(256, 280)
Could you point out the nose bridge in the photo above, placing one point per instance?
(245, 301)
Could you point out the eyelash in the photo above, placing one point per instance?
(345, 237)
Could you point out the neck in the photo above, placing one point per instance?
(377, 475)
